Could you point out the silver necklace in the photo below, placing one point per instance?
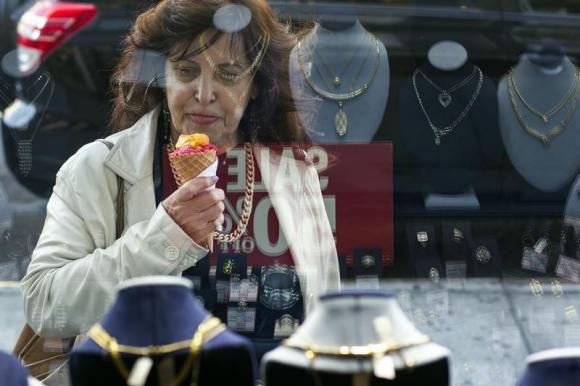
(444, 96)
(341, 119)
(441, 132)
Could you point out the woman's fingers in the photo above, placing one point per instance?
(195, 208)
(194, 187)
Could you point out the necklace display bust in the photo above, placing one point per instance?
(454, 162)
(546, 165)
(359, 321)
(158, 312)
(340, 59)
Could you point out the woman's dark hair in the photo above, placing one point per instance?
(269, 118)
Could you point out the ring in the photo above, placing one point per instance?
(229, 267)
(422, 238)
(482, 254)
(218, 226)
(368, 261)
(457, 236)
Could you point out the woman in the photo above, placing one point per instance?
(224, 75)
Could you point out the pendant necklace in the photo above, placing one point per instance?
(444, 96)
(439, 132)
(572, 96)
(341, 119)
(554, 110)
(337, 78)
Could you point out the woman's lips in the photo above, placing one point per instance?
(203, 119)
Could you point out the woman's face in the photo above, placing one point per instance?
(203, 95)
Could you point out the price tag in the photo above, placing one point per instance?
(455, 269)
(222, 288)
(242, 319)
(568, 268)
(367, 282)
(245, 290)
(534, 261)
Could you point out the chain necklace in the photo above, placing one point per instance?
(248, 196)
(441, 132)
(337, 79)
(341, 119)
(206, 331)
(545, 116)
(547, 136)
(374, 351)
(444, 96)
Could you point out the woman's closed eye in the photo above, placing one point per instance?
(186, 71)
(229, 72)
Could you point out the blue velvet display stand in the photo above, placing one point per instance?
(157, 311)
(559, 367)
(12, 373)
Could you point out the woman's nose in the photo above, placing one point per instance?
(204, 89)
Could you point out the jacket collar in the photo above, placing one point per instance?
(132, 155)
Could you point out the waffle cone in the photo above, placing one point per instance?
(189, 166)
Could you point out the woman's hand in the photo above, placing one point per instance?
(196, 210)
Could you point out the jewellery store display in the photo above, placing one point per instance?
(482, 254)
(444, 96)
(157, 329)
(230, 270)
(439, 132)
(456, 236)
(486, 259)
(285, 326)
(570, 100)
(366, 266)
(205, 332)
(279, 287)
(321, 352)
(424, 259)
(341, 119)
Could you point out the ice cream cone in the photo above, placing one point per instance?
(190, 166)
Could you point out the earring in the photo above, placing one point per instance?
(167, 125)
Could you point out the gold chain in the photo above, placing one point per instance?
(547, 136)
(545, 116)
(206, 331)
(248, 196)
(379, 350)
(335, 96)
(370, 350)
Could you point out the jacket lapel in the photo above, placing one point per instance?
(132, 158)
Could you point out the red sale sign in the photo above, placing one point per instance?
(357, 187)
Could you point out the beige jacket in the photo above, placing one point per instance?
(77, 262)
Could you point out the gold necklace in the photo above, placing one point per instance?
(547, 136)
(248, 195)
(340, 119)
(375, 351)
(545, 116)
(337, 79)
(206, 331)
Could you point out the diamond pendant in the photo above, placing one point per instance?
(545, 118)
(444, 99)
(24, 154)
(340, 121)
(336, 81)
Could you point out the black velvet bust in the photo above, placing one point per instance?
(473, 145)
